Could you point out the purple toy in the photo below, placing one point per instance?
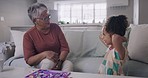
(48, 74)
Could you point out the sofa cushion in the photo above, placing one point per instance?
(138, 43)
(74, 39)
(135, 68)
(16, 62)
(18, 40)
(87, 65)
(92, 46)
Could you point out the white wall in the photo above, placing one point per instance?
(140, 12)
(4, 32)
(127, 10)
(15, 11)
(124, 10)
(143, 11)
(50, 3)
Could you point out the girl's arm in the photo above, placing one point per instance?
(117, 41)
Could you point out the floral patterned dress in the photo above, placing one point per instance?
(112, 64)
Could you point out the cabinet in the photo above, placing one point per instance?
(112, 3)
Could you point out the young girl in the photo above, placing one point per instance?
(113, 37)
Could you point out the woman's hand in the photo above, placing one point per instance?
(58, 65)
(51, 55)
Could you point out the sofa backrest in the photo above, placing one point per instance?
(74, 39)
(84, 43)
(92, 45)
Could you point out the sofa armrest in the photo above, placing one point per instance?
(8, 49)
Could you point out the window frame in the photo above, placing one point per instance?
(81, 18)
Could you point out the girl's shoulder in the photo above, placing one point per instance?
(116, 37)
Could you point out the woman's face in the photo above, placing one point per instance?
(43, 22)
(106, 37)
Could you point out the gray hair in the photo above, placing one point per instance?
(35, 10)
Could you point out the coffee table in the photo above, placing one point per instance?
(18, 72)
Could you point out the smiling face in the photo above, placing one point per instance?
(106, 37)
(43, 22)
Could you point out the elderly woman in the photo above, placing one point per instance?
(44, 44)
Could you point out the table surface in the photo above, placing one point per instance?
(18, 72)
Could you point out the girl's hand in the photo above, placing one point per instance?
(117, 41)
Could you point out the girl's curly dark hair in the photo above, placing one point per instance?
(117, 25)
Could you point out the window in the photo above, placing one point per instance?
(76, 13)
(88, 13)
(100, 12)
(82, 13)
(64, 13)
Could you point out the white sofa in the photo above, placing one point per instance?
(87, 51)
